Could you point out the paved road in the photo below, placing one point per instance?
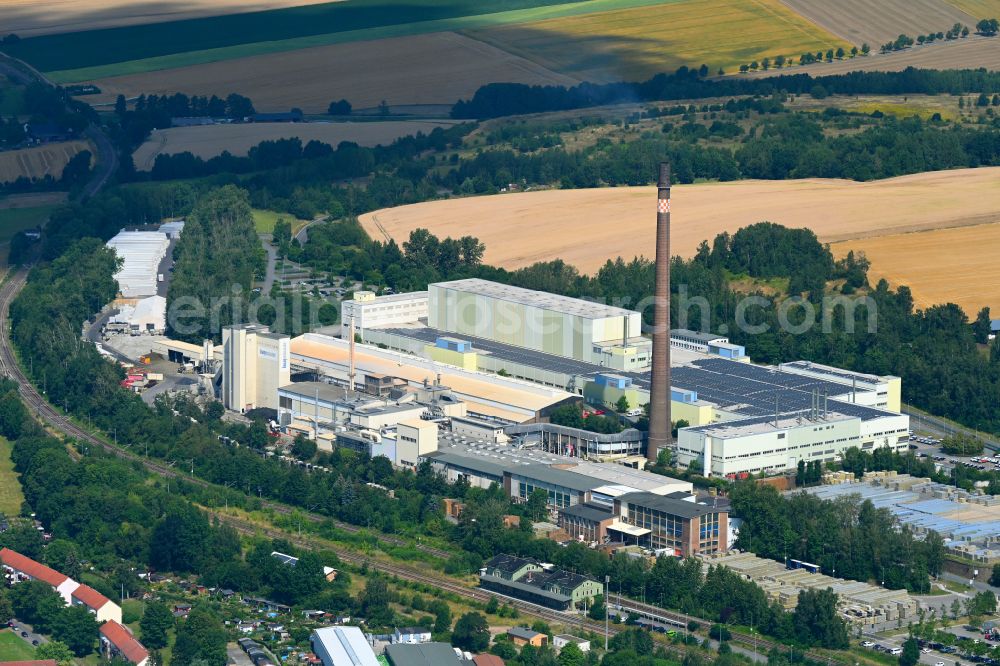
(303, 235)
(942, 428)
(20, 627)
(272, 258)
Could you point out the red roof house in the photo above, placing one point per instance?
(117, 639)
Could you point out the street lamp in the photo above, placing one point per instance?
(607, 581)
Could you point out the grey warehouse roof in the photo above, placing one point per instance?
(588, 512)
(421, 654)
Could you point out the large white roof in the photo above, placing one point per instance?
(141, 253)
(345, 645)
(539, 299)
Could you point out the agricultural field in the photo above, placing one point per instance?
(979, 9)
(924, 106)
(636, 43)
(970, 53)
(610, 222)
(29, 18)
(10, 488)
(210, 140)
(39, 161)
(91, 54)
(11, 98)
(12, 648)
(954, 265)
(876, 23)
(438, 68)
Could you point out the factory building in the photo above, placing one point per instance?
(148, 315)
(769, 445)
(674, 524)
(887, 390)
(256, 364)
(369, 310)
(486, 396)
(141, 253)
(559, 325)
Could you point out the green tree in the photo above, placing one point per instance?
(77, 628)
(63, 556)
(442, 617)
(492, 606)
(571, 655)
(817, 622)
(200, 637)
(995, 576)
(472, 633)
(304, 448)
(598, 609)
(180, 539)
(911, 653)
(621, 405)
(6, 608)
(156, 621)
(56, 650)
(282, 232)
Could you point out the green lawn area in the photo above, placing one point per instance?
(70, 70)
(10, 485)
(11, 100)
(264, 220)
(13, 220)
(12, 648)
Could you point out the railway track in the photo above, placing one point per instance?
(56, 420)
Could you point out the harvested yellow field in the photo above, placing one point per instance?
(438, 68)
(956, 265)
(40, 161)
(637, 43)
(587, 227)
(27, 18)
(978, 9)
(210, 140)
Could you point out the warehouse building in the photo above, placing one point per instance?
(559, 325)
(148, 315)
(772, 444)
(369, 310)
(337, 646)
(141, 253)
(256, 363)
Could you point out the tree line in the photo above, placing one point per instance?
(495, 100)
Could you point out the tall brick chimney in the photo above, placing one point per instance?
(659, 393)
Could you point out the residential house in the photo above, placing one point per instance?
(118, 641)
(18, 567)
(559, 641)
(97, 603)
(528, 580)
(521, 636)
(411, 635)
(487, 659)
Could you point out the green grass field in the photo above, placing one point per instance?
(264, 220)
(979, 9)
(13, 220)
(12, 648)
(10, 484)
(100, 47)
(191, 57)
(11, 100)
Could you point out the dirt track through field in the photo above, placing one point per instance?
(588, 227)
(210, 140)
(438, 68)
(879, 21)
(28, 18)
(955, 265)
